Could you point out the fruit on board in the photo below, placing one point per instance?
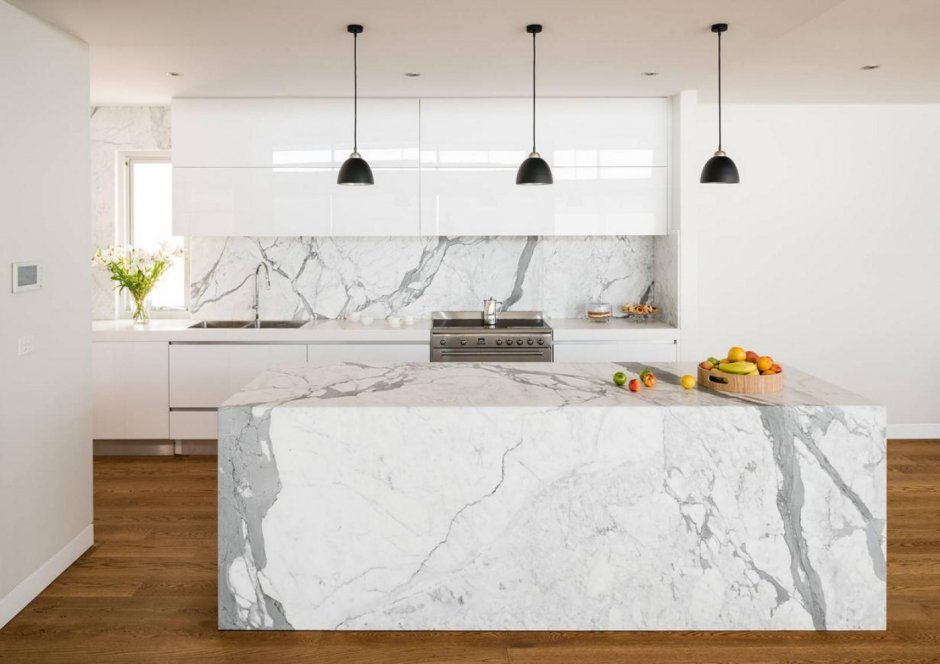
(753, 373)
(777, 368)
(765, 363)
(648, 378)
(620, 378)
(737, 354)
(714, 361)
(741, 368)
(687, 381)
(635, 385)
(707, 365)
(751, 356)
(768, 372)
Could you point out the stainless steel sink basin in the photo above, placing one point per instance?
(245, 324)
(218, 324)
(261, 324)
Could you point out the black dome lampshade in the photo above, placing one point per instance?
(534, 170)
(720, 168)
(355, 170)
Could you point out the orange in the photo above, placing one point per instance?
(737, 354)
(765, 363)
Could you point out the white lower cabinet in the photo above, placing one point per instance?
(417, 352)
(130, 389)
(615, 351)
(204, 375)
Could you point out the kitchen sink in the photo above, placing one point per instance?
(245, 324)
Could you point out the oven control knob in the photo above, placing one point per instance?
(463, 342)
(541, 342)
(518, 342)
(443, 341)
(509, 342)
(499, 342)
(530, 342)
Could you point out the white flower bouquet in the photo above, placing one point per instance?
(137, 271)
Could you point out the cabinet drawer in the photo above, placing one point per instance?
(368, 352)
(614, 351)
(129, 390)
(194, 424)
(205, 375)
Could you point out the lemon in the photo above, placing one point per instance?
(737, 354)
(687, 381)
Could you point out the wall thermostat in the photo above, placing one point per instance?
(26, 276)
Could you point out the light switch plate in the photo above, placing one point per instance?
(27, 345)
(27, 276)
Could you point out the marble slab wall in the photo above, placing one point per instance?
(114, 129)
(330, 277)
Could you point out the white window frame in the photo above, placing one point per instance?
(124, 226)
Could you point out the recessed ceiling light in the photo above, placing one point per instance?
(412, 74)
(870, 67)
(174, 74)
(651, 73)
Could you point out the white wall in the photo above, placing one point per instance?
(45, 409)
(826, 254)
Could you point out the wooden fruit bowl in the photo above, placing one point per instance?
(725, 382)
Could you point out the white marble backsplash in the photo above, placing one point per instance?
(315, 277)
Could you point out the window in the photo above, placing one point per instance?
(148, 206)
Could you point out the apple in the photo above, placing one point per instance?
(751, 356)
(776, 368)
(635, 385)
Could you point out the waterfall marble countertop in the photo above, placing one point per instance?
(542, 496)
(339, 331)
(484, 385)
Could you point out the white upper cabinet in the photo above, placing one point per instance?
(442, 167)
(609, 158)
(269, 166)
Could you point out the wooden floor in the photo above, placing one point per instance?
(146, 593)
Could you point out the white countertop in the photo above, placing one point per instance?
(343, 331)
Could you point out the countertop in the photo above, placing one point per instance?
(343, 331)
(485, 385)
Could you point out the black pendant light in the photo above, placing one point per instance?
(720, 168)
(534, 170)
(355, 170)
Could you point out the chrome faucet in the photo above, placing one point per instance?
(491, 311)
(267, 279)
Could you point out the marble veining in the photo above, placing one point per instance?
(331, 277)
(408, 496)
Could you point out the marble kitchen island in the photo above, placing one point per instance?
(543, 497)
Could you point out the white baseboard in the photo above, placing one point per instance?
(17, 599)
(917, 431)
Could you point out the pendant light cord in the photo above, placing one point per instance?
(355, 93)
(533, 92)
(719, 92)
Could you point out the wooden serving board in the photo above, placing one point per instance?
(725, 382)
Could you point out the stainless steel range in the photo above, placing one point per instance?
(512, 336)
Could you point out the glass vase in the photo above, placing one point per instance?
(141, 309)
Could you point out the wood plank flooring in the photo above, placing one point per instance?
(146, 593)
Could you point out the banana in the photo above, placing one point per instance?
(740, 368)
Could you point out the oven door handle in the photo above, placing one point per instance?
(483, 353)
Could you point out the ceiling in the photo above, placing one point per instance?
(775, 50)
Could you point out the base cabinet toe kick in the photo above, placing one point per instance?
(542, 497)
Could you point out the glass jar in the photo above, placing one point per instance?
(599, 312)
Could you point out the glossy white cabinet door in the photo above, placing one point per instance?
(604, 132)
(611, 201)
(194, 424)
(475, 132)
(293, 132)
(483, 201)
(251, 201)
(130, 387)
(368, 353)
(205, 375)
(293, 201)
(613, 351)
